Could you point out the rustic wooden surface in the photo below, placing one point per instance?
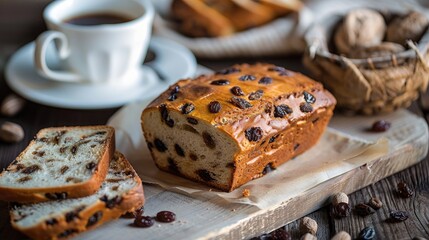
(20, 22)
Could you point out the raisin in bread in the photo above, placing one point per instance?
(65, 162)
(121, 192)
(228, 128)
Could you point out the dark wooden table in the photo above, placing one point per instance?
(35, 116)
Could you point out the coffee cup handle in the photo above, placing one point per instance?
(42, 43)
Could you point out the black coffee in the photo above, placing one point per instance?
(98, 19)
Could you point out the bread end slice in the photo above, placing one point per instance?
(60, 163)
(121, 192)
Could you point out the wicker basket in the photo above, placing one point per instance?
(368, 86)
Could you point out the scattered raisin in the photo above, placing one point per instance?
(220, 82)
(265, 80)
(340, 210)
(192, 121)
(256, 95)
(247, 77)
(159, 145)
(241, 103)
(236, 90)
(309, 98)
(363, 210)
(56, 196)
(404, 191)
(281, 111)
(172, 166)
(179, 150)
(205, 175)
(253, 134)
(280, 234)
(144, 221)
(188, 108)
(305, 107)
(165, 116)
(228, 71)
(94, 218)
(397, 216)
(268, 168)
(262, 237)
(208, 140)
(375, 203)
(214, 107)
(380, 126)
(51, 221)
(367, 233)
(31, 169)
(165, 216)
(90, 165)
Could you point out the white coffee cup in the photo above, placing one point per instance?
(107, 53)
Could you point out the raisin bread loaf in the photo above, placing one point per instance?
(121, 192)
(215, 18)
(238, 124)
(65, 162)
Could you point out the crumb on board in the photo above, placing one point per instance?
(246, 192)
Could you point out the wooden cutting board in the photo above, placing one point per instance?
(216, 219)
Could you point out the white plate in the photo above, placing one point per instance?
(174, 60)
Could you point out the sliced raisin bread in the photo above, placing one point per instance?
(121, 192)
(238, 124)
(66, 162)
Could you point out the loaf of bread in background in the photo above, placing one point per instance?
(236, 125)
(60, 163)
(216, 18)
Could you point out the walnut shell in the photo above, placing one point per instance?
(411, 26)
(382, 49)
(360, 28)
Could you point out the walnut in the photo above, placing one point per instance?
(360, 28)
(410, 26)
(382, 49)
(308, 225)
(11, 132)
(341, 236)
(340, 198)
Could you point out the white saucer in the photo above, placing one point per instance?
(174, 60)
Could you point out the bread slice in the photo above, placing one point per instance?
(200, 20)
(121, 192)
(60, 163)
(282, 7)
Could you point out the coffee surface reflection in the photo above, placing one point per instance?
(98, 19)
